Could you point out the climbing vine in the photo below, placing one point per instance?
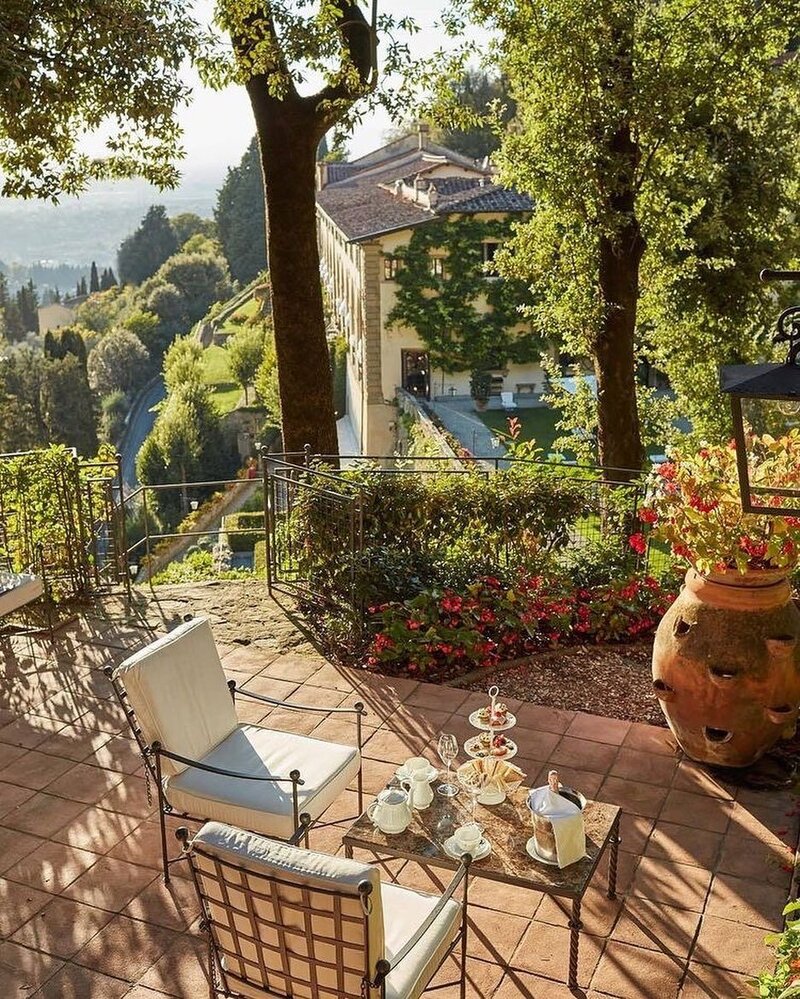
(444, 309)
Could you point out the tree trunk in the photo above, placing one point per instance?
(619, 438)
(288, 133)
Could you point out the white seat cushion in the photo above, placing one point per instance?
(178, 690)
(263, 806)
(404, 911)
(18, 589)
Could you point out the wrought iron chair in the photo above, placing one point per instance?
(204, 764)
(283, 921)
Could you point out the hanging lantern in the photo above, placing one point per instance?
(765, 400)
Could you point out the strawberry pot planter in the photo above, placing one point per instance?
(726, 665)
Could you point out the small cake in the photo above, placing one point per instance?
(499, 745)
(484, 715)
(498, 716)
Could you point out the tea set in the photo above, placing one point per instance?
(556, 812)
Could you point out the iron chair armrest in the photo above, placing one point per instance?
(159, 750)
(357, 709)
(384, 967)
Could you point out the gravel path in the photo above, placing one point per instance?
(614, 681)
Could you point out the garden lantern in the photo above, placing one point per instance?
(765, 399)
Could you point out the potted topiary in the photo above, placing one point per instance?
(480, 386)
(726, 660)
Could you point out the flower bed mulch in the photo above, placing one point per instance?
(614, 681)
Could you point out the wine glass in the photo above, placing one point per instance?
(473, 783)
(447, 749)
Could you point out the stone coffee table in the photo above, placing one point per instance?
(508, 827)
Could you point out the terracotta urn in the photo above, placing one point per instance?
(726, 665)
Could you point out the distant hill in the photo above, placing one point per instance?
(91, 227)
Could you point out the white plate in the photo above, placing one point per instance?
(452, 849)
(475, 722)
(402, 774)
(473, 748)
(530, 848)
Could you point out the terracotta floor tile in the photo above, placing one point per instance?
(17, 904)
(15, 845)
(343, 811)
(118, 753)
(75, 982)
(387, 746)
(582, 754)
(442, 698)
(182, 971)
(9, 753)
(767, 825)
(318, 697)
(669, 883)
(175, 907)
(545, 719)
(341, 729)
(22, 970)
(142, 846)
(426, 725)
(633, 796)
(297, 722)
(41, 814)
(482, 978)
(35, 770)
(634, 973)
(29, 731)
(95, 830)
(535, 745)
(74, 742)
(335, 677)
(653, 926)
(52, 867)
(730, 945)
(544, 950)
(126, 948)
(270, 686)
(521, 985)
(110, 884)
(696, 778)
(635, 831)
(376, 774)
(493, 935)
(504, 898)
(685, 844)
(651, 739)
(129, 797)
(751, 902)
(598, 912)
(62, 927)
(609, 730)
(767, 862)
(292, 667)
(85, 783)
(651, 768)
(697, 810)
(703, 981)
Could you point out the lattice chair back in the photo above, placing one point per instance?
(178, 691)
(285, 921)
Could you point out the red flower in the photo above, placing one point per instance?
(648, 516)
(451, 603)
(413, 625)
(667, 470)
(683, 552)
(382, 642)
(755, 549)
(704, 506)
(638, 543)
(487, 616)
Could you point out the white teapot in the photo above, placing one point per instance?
(391, 812)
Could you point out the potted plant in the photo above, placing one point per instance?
(480, 386)
(726, 660)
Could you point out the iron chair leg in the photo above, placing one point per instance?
(161, 814)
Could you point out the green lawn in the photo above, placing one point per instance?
(538, 423)
(224, 391)
(245, 311)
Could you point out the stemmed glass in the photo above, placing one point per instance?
(473, 783)
(448, 751)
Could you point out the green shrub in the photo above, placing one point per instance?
(251, 523)
(784, 981)
(260, 559)
(198, 566)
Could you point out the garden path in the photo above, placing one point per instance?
(704, 871)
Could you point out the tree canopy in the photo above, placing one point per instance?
(144, 251)
(104, 68)
(240, 217)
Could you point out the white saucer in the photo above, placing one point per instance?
(452, 849)
(402, 774)
(531, 850)
(510, 722)
(491, 796)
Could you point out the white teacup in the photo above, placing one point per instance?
(416, 764)
(468, 837)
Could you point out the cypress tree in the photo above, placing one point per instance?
(94, 279)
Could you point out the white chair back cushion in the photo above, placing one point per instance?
(284, 918)
(178, 690)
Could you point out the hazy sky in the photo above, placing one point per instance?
(218, 125)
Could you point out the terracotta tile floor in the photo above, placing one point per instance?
(704, 869)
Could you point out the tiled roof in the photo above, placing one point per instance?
(363, 202)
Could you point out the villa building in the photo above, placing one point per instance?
(368, 212)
